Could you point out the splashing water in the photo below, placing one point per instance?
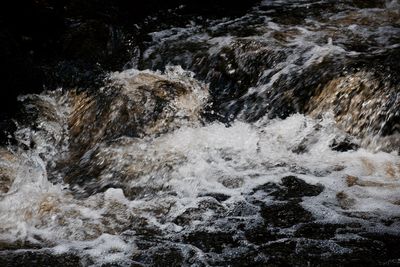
(136, 174)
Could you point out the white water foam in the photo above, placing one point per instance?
(206, 159)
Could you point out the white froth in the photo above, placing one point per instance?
(251, 153)
(179, 167)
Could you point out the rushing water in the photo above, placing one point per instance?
(255, 145)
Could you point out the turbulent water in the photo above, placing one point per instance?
(268, 139)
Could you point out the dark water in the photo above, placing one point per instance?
(267, 139)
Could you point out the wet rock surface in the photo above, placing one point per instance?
(293, 187)
(35, 258)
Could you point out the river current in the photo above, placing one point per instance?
(267, 139)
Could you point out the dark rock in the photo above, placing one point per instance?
(243, 209)
(169, 257)
(344, 145)
(285, 215)
(390, 241)
(305, 252)
(37, 258)
(196, 213)
(280, 253)
(211, 241)
(293, 187)
(317, 230)
(245, 257)
(301, 148)
(164, 253)
(145, 243)
(261, 234)
(161, 253)
(267, 188)
(218, 196)
(364, 251)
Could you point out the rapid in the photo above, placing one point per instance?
(266, 139)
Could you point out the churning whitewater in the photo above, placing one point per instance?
(183, 176)
(254, 146)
